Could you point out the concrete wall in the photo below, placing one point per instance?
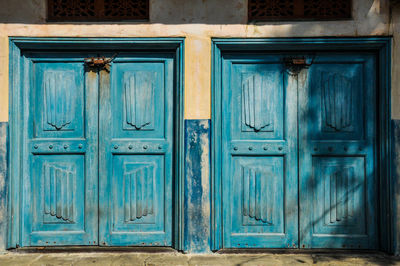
(198, 21)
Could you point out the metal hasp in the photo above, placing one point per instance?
(295, 64)
(99, 62)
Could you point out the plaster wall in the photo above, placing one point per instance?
(198, 21)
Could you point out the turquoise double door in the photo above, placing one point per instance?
(298, 151)
(98, 153)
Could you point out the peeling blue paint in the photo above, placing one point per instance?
(3, 183)
(197, 203)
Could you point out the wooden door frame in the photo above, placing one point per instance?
(381, 46)
(17, 45)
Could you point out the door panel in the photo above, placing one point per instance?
(60, 188)
(136, 150)
(337, 139)
(259, 158)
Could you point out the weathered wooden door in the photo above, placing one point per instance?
(99, 150)
(136, 150)
(337, 154)
(60, 152)
(298, 157)
(259, 153)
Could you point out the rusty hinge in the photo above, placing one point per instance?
(295, 64)
(99, 62)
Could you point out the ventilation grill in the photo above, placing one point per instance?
(98, 10)
(274, 10)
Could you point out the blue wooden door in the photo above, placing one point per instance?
(136, 150)
(259, 153)
(318, 127)
(60, 155)
(98, 153)
(337, 136)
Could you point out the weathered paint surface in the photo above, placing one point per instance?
(3, 183)
(395, 30)
(197, 186)
(396, 186)
(198, 21)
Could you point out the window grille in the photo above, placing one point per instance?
(274, 10)
(97, 10)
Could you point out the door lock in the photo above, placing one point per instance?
(295, 64)
(99, 62)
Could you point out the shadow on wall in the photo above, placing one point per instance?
(220, 12)
(161, 11)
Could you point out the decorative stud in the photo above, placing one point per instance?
(115, 146)
(36, 146)
(235, 148)
(50, 146)
(159, 147)
(130, 146)
(280, 148)
(145, 147)
(80, 146)
(250, 148)
(265, 148)
(65, 146)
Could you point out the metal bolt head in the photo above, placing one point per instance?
(80, 146)
(280, 148)
(50, 146)
(235, 148)
(115, 146)
(65, 146)
(250, 148)
(265, 148)
(36, 146)
(145, 147)
(130, 146)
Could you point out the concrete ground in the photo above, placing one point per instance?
(175, 258)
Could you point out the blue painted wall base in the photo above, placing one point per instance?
(3, 183)
(396, 187)
(197, 187)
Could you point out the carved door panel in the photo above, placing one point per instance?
(259, 153)
(60, 154)
(337, 100)
(136, 151)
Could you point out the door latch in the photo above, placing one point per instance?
(295, 64)
(99, 62)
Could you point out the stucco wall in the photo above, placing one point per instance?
(198, 21)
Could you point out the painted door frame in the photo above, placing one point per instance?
(381, 46)
(17, 45)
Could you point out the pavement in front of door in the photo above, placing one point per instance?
(175, 258)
